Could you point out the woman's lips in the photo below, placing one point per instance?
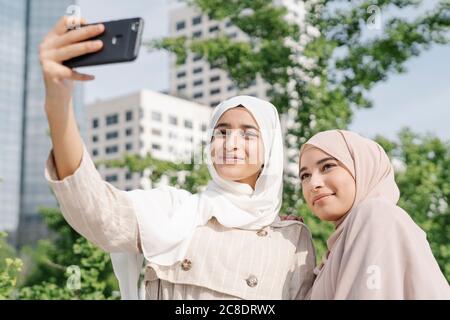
(322, 197)
(233, 159)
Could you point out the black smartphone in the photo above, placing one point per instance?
(121, 43)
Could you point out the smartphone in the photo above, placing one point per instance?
(121, 43)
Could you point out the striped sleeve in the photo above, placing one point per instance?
(96, 209)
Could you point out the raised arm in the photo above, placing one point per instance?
(94, 208)
(58, 46)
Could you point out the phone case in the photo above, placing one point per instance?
(121, 43)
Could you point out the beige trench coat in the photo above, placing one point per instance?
(221, 263)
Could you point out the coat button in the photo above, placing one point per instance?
(262, 233)
(186, 265)
(252, 281)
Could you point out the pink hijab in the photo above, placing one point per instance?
(375, 231)
(367, 162)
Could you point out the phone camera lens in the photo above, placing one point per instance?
(134, 26)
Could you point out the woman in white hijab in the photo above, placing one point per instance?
(376, 250)
(225, 242)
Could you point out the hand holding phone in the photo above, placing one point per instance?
(60, 51)
(121, 43)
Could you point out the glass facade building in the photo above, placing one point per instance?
(12, 68)
(25, 142)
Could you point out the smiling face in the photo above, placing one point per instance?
(328, 187)
(237, 149)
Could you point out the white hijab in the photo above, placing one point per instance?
(167, 217)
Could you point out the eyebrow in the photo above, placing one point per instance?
(318, 162)
(244, 126)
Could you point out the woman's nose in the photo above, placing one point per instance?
(316, 181)
(232, 140)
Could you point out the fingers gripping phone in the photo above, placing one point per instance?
(121, 43)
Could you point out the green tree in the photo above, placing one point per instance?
(66, 266)
(10, 268)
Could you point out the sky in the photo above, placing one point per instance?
(419, 98)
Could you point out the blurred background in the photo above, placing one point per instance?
(379, 68)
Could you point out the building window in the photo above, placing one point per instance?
(188, 124)
(156, 132)
(156, 146)
(213, 66)
(180, 25)
(112, 135)
(172, 135)
(198, 95)
(196, 20)
(197, 57)
(214, 103)
(128, 131)
(94, 138)
(181, 74)
(128, 176)
(173, 120)
(198, 83)
(214, 79)
(112, 119)
(197, 34)
(95, 123)
(129, 115)
(231, 87)
(203, 127)
(128, 146)
(156, 116)
(197, 70)
(228, 24)
(215, 91)
(111, 178)
(214, 29)
(181, 86)
(111, 149)
(94, 152)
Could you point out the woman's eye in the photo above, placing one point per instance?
(219, 133)
(328, 166)
(250, 134)
(304, 176)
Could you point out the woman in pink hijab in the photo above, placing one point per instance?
(376, 250)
